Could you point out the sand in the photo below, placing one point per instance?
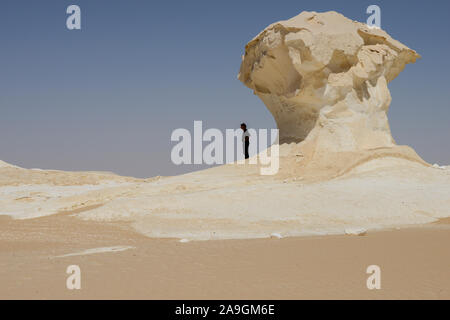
(414, 263)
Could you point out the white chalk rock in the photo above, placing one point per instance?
(3, 164)
(276, 236)
(356, 231)
(325, 80)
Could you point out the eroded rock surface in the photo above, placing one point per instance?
(325, 80)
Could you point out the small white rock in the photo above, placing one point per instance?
(276, 236)
(356, 232)
(184, 240)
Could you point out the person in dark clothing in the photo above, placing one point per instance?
(245, 140)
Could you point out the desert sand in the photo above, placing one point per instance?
(34, 256)
(346, 195)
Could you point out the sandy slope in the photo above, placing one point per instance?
(385, 188)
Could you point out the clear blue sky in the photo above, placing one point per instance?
(108, 97)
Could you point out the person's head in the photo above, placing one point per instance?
(243, 126)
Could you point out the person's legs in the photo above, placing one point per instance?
(247, 143)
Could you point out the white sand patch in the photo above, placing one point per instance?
(33, 201)
(391, 196)
(356, 231)
(387, 162)
(276, 236)
(436, 166)
(96, 250)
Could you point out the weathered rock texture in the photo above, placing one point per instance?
(325, 80)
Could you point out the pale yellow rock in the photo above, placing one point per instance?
(3, 164)
(324, 79)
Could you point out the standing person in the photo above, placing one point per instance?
(245, 139)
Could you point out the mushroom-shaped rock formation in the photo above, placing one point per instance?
(325, 80)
